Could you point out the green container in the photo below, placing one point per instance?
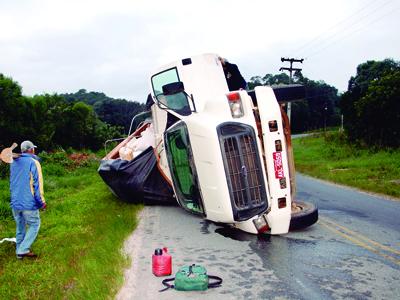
(191, 278)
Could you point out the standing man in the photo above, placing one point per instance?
(26, 187)
(233, 77)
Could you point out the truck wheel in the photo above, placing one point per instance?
(304, 214)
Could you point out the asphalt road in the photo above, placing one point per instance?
(353, 252)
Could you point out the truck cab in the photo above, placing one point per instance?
(224, 152)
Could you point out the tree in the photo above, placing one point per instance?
(268, 79)
(255, 81)
(354, 106)
(14, 112)
(322, 100)
(281, 78)
(379, 111)
(116, 112)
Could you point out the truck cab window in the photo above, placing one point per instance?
(183, 169)
(177, 102)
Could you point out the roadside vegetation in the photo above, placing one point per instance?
(331, 157)
(367, 154)
(80, 240)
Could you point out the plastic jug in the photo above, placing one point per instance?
(162, 262)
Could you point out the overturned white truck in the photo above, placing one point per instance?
(224, 155)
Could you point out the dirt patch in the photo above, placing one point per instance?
(81, 159)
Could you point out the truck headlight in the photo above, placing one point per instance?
(235, 104)
(261, 224)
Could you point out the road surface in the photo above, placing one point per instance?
(353, 252)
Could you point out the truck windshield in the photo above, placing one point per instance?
(182, 168)
(178, 102)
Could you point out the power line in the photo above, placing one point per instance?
(334, 26)
(355, 22)
(328, 35)
(351, 33)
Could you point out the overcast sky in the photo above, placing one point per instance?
(51, 46)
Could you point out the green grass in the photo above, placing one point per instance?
(79, 243)
(329, 157)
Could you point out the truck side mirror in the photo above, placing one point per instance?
(173, 88)
(176, 98)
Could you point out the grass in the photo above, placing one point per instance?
(80, 240)
(329, 157)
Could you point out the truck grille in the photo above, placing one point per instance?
(243, 170)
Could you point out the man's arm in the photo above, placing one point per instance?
(38, 184)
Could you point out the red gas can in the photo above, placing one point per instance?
(162, 262)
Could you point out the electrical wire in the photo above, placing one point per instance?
(351, 33)
(306, 45)
(349, 27)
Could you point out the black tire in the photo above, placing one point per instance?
(305, 214)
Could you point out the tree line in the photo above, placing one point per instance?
(49, 120)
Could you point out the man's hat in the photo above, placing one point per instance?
(27, 145)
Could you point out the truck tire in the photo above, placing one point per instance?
(304, 214)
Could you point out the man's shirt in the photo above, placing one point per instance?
(26, 183)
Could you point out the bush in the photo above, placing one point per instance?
(60, 158)
(4, 170)
(54, 170)
(5, 211)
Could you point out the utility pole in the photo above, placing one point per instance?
(291, 69)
